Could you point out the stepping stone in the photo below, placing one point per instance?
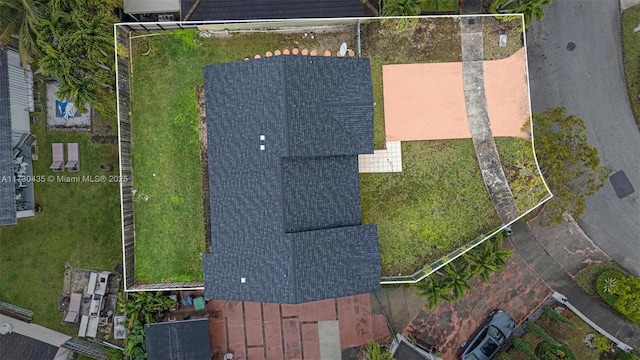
(285, 51)
(268, 54)
(277, 52)
(295, 51)
(257, 57)
(327, 53)
(313, 53)
(305, 52)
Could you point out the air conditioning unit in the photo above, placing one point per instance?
(165, 17)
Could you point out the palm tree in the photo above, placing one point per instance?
(434, 290)
(529, 8)
(457, 279)
(488, 258)
(20, 19)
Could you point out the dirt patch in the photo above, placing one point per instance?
(419, 40)
(492, 28)
(205, 166)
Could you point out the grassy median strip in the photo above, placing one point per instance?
(631, 57)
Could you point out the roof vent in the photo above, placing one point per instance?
(262, 137)
(243, 280)
(262, 147)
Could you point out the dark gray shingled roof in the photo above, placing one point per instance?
(7, 187)
(178, 340)
(288, 219)
(274, 9)
(17, 346)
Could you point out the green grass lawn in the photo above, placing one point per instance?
(79, 223)
(170, 224)
(631, 57)
(562, 333)
(519, 165)
(436, 204)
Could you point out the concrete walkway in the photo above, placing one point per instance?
(477, 115)
(399, 305)
(557, 271)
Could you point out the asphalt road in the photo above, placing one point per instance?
(589, 82)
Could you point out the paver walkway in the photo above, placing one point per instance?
(556, 276)
(518, 290)
(277, 331)
(386, 160)
(477, 115)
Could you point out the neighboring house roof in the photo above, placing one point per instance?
(178, 340)
(151, 6)
(7, 187)
(286, 220)
(17, 346)
(272, 9)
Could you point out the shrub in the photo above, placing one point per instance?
(541, 333)
(602, 343)
(622, 355)
(524, 348)
(548, 351)
(558, 317)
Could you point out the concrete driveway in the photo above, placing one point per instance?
(518, 291)
(575, 61)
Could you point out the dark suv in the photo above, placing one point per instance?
(489, 338)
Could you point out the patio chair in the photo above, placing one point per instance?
(74, 308)
(57, 154)
(73, 156)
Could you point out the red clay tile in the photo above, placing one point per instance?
(253, 321)
(326, 309)
(364, 321)
(347, 320)
(271, 311)
(233, 313)
(309, 312)
(380, 327)
(236, 336)
(239, 353)
(218, 335)
(215, 308)
(272, 331)
(275, 352)
(290, 310)
(292, 347)
(254, 353)
(310, 341)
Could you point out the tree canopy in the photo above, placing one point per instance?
(529, 8)
(70, 40)
(569, 165)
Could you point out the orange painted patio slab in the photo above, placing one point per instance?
(426, 101)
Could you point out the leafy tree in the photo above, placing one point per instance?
(457, 279)
(375, 352)
(20, 18)
(628, 291)
(569, 165)
(141, 309)
(435, 291)
(529, 8)
(488, 257)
